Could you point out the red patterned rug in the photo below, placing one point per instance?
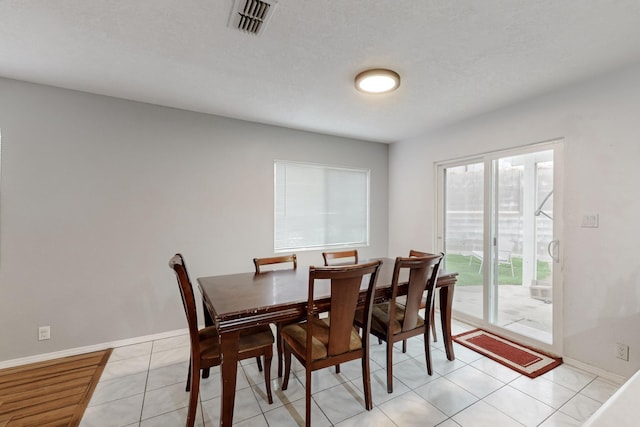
(521, 359)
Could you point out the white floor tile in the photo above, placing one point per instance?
(600, 389)
(116, 413)
(212, 387)
(168, 375)
(580, 407)
(559, 419)
(173, 356)
(496, 370)
(569, 377)
(170, 343)
(448, 397)
(373, 418)
(340, 402)
(412, 373)
(546, 391)
(410, 409)
(146, 382)
(246, 407)
(118, 388)
(124, 367)
(129, 351)
(292, 415)
(163, 400)
(173, 419)
(519, 406)
(379, 387)
(481, 414)
(474, 381)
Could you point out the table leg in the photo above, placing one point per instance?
(208, 321)
(446, 303)
(229, 369)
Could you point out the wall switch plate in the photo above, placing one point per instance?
(622, 351)
(590, 220)
(44, 333)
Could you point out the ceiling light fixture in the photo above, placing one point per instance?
(378, 80)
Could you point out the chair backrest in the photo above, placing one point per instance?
(259, 262)
(423, 274)
(345, 291)
(328, 256)
(188, 300)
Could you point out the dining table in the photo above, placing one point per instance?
(236, 302)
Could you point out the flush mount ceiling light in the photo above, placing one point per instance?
(378, 80)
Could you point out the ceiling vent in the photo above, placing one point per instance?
(251, 16)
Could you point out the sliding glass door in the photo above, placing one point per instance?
(496, 226)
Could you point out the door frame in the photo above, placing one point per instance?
(557, 145)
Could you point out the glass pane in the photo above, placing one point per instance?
(523, 229)
(463, 234)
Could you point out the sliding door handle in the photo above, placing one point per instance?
(552, 248)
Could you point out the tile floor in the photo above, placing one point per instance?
(143, 385)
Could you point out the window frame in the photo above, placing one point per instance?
(306, 246)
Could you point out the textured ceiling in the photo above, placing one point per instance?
(456, 58)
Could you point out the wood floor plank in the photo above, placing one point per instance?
(60, 417)
(51, 393)
(86, 359)
(52, 370)
(41, 401)
(20, 385)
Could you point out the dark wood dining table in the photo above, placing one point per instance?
(235, 302)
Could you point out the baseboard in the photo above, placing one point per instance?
(88, 349)
(619, 379)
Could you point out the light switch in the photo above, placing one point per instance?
(590, 220)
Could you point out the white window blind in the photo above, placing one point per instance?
(320, 206)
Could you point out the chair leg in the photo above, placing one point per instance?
(267, 374)
(427, 351)
(279, 346)
(404, 346)
(366, 382)
(307, 407)
(433, 325)
(389, 366)
(337, 369)
(194, 374)
(259, 362)
(188, 377)
(287, 369)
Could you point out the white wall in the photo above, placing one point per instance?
(600, 123)
(98, 193)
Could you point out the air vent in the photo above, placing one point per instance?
(251, 16)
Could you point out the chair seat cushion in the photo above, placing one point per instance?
(380, 318)
(296, 336)
(259, 336)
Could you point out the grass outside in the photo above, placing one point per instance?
(468, 273)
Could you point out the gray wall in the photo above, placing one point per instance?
(98, 193)
(599, 121)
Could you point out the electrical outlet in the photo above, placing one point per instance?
(44, 333)
(622, 351)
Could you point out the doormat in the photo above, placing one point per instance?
(54, 392)
(524, 360)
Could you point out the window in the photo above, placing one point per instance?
(319, 207)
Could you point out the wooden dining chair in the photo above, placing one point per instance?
(283, 259)
(322, 342)
(394, 322)
(341, 255)
(259, 262)
(205, 347)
